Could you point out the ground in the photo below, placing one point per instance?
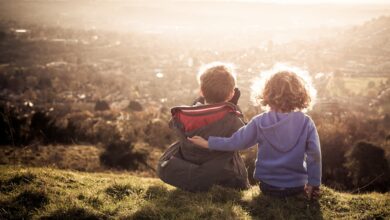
(49, 193)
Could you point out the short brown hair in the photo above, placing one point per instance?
(217, 82)
(285, 91)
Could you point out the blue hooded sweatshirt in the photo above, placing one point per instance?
(288, 154)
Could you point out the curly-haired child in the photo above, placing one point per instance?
(289, 155)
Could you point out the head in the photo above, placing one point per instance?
(217, 82)
(286, 90)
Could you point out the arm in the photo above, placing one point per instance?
(313, 160)
(243, 138)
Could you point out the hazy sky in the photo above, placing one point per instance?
(318, 1)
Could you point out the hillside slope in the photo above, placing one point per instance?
(57, 194)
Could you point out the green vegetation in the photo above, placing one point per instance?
(364, 85)
(76, 157)
(57, 194)
(367, 86)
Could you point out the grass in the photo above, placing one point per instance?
(48, 193)
(74, 157)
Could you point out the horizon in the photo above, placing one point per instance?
(256, 20)
(298, 2)
(284, 2)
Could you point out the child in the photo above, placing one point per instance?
(191, 168)
(289, 156)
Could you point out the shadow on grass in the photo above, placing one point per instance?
(178, 204)
(24, 205)
(295, 207)
(17, 180)
(74, 213)
(223, 203)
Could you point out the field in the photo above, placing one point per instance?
(71, 157)
(49, 193)
(363, 85)
(76, 157)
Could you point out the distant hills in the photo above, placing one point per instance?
(373, 34)
(130, 15)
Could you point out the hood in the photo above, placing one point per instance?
(282, 130)
(191, 118)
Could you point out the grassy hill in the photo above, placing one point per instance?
(49, 193)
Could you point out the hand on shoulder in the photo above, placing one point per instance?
(199, 141)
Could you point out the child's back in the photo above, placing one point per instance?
(284, 141)
(189, 167)
(223, 122)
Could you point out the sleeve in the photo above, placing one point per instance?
(313, 159)
(244, 138)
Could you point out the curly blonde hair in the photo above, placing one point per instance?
(285, 90)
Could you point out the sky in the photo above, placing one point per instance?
(316, 1)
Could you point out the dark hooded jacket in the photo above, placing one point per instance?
(192, 168)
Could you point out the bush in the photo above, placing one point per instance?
(101, 105)
(48, 129)
(368, 167)
(338, 130)
(334, 145)
(13, 129)
(158, 133)
(121, 154)
(135, 106)
(41, 127)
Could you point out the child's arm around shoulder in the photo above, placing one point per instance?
(245, 137)
(198, 140)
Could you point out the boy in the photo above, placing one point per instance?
(191, 168)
